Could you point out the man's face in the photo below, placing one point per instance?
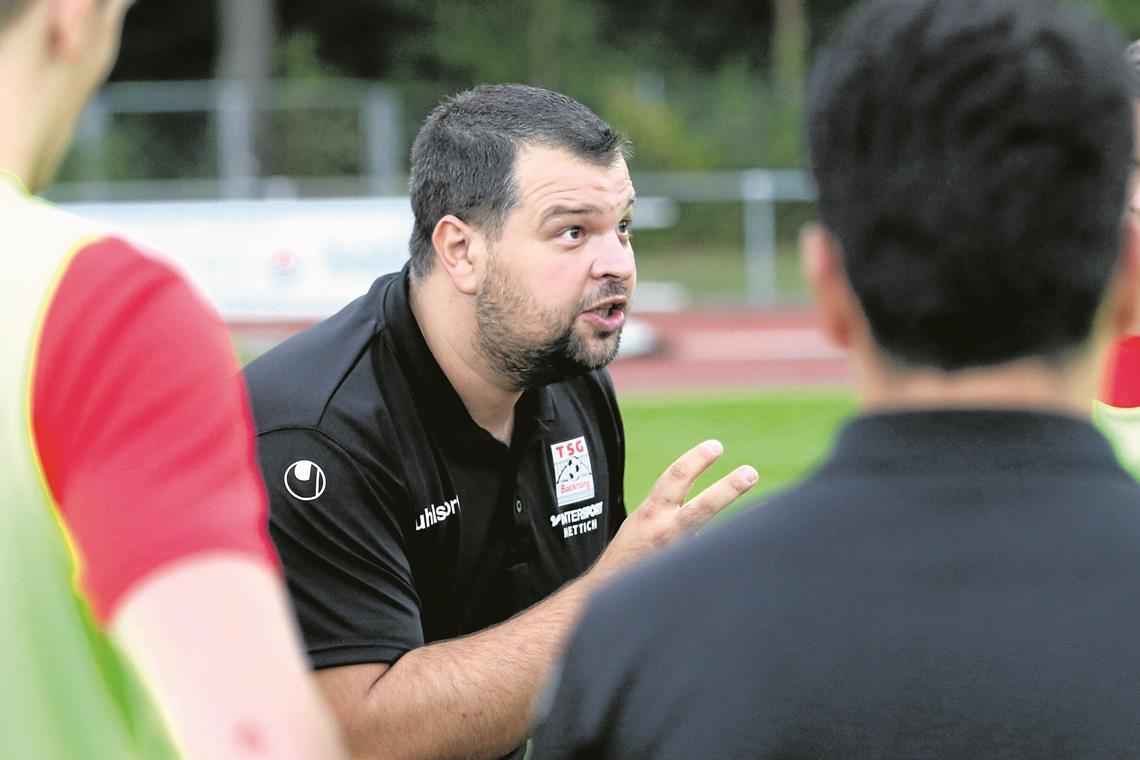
(557, 283)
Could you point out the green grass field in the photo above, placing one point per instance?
(781, 433)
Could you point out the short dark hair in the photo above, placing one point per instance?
(463, 157)
(972, 158)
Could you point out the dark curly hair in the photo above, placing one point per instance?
(972, 159)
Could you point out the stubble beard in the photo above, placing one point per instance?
(528, 362)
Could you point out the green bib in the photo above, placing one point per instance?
(1122, 428)
(70, 693)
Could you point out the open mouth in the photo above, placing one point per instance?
(608, 311)
(608, 307)
(608, 316)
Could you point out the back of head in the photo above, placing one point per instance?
(463, 157)
(972, 159)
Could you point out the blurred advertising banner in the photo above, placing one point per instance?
(290, 260)
(271, 260)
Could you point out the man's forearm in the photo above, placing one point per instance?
(468, 697)
(213, 639)
(471, 697)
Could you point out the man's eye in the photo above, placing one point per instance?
(624, 226)
(571, 233)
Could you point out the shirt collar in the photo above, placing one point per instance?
(434, 394)
(971, 440)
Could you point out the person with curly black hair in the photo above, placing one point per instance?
(960, 577)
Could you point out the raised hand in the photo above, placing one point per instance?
(666, 514)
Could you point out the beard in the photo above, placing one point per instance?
(558, 352)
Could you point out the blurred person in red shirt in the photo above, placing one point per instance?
(1118, 409)
(144, 614)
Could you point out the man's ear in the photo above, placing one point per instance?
(458, 250)
(69, 26)
(838, 310)
(1125, 287)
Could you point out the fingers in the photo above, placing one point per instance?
(673, 486)
(661, 519)
(705, 505)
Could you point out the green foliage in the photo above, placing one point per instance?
(1125, 14)
(678, 116)
(466, 33)
(692, 86)
(309, 142)
(663, 137)
(743, 120)
(143, 147)
(298, 57)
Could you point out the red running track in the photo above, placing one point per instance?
(733, 349)
(725, 349)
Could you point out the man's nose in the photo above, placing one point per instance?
(615, 258)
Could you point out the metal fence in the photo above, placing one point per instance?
(244, 141)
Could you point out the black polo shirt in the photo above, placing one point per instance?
(399, 520)
(949, 584)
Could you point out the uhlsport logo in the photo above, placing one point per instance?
(437, 513)
(573, 475)
(305, 480)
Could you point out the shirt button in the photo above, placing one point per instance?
(518, 506)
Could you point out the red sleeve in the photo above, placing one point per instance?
(142, 423)
(1120, 385)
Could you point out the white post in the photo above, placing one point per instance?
(757, 191)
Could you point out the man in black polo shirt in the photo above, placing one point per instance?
(447, 450)
(961, 578)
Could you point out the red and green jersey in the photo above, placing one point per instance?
(1117, 413)
(126, 446)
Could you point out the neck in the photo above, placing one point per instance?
(447, 320)
(1022, 384)
(28, 115)
(18, 149)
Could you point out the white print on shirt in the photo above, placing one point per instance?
(575, 522)
(305, 480)
(573, 475)
(437, 513)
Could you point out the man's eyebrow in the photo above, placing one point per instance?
(559, 211)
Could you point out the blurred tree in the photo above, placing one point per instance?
(385, 39)
(168, 41)
(1124, 13)
(368, 39)
(547, 18)
(790, 40)
(310, 142)
(697, 83)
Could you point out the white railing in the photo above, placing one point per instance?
(273, 203)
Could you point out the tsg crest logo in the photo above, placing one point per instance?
(305, 480)
(573, 475)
